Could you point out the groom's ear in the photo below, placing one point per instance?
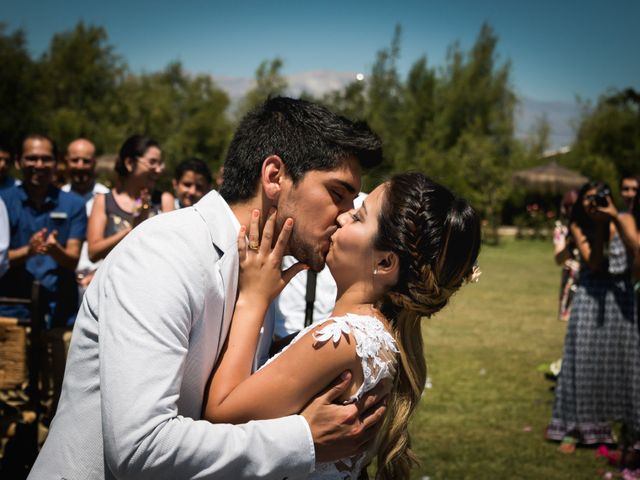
(271, 176)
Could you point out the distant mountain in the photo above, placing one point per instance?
(562, 116)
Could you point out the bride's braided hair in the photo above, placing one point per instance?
(436, 236)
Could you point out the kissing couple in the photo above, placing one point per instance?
(160, 379)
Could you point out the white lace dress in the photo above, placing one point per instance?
(377, 351)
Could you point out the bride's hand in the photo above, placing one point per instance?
(261, 277)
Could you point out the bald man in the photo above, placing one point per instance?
(81, 165)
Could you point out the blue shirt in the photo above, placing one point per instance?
(60, 211)
(9, 182)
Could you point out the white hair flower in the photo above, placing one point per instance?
(474, 276)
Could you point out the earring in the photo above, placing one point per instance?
(375, 271)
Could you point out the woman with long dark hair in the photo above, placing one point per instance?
(398, 258)
(133, 199)
(599, 382)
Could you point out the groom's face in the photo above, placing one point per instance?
(315, 203)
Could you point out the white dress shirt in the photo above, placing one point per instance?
(84, 264)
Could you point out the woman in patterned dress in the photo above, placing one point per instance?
(600, 377)
(397, 258)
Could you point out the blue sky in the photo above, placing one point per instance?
(558, 49)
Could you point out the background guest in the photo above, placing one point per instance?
(599, 382)
(191, 181)
(629, 189)
(81, 166)
(47, 229)
(566, 254)
(6, 156)
(132, 201)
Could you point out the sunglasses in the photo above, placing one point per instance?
(34, 159)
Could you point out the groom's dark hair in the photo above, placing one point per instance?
(305, 135)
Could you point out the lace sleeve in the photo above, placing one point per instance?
(375, 346)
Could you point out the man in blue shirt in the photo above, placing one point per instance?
(47, 228)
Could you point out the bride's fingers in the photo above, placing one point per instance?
(283, 239)
(267, 232)
(292, 271)
(242, 243)
(254, 231)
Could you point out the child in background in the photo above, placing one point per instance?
(191, 181)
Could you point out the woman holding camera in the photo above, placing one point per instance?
(600, 377)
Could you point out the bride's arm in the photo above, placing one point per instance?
(260, 281)
(286, 384)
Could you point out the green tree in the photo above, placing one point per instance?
(185, 113)
(472, 139)
(18, 88)
(269, 82)
(350, 102)
(79, 79)
(608, 138)
(383, 108)
(417, 114)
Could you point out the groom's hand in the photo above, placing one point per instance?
(341, 431)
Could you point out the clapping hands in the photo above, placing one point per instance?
(43, 241)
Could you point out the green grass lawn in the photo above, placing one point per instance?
(488, 407)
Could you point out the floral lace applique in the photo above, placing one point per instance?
(377, 351)
(374, 345)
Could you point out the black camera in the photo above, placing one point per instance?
(600, 199)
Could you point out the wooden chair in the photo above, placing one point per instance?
(20, 365)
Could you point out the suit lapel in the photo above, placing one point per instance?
(223, 233)
(229, 274)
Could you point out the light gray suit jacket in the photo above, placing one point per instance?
(148, 333)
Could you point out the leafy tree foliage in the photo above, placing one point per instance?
(17, 87)
(455, 123)
(269, 82)
(186, 113)
(608, 138)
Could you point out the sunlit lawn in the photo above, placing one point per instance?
(486, 412)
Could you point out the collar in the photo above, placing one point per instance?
(222, 223)
(50, 199)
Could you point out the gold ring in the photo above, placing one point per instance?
(254, 245)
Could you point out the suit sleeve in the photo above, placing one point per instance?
(150, 289)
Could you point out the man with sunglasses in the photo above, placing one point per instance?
(81, 166)
(48, 227)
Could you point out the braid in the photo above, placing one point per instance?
(437, 238)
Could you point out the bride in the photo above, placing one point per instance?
(398, 258)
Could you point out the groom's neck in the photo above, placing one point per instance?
(243, 210)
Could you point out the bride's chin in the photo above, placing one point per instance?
(330, 263)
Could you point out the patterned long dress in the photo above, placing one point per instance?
(600, 377)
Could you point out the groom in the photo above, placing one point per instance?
(154, 319)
